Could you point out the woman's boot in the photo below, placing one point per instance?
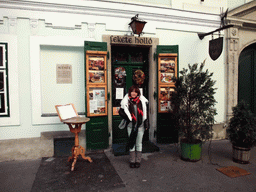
(132, 159)
(138, 159)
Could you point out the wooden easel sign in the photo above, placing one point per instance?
(66, 111)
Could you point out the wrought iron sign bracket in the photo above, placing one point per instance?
(202, 35)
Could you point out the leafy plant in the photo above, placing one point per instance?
(242, 126)
(194, 102)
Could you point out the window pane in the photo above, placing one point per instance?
(119, 53)
(2, 101)
(1, 56)
(136, 55)
(1, 81)
(139, 54)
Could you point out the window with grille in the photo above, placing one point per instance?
(4, 105)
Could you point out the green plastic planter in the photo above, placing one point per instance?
(191, 152)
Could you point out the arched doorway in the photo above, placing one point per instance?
(247, 76)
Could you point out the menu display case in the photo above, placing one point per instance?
(167, 71)
(96, 83)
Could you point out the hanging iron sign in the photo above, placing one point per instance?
(215, 48)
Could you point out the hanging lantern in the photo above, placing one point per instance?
(137, 25)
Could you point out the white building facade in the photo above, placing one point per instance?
(37, 36)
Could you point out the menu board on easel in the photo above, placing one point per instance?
(167, 70)
(96, 83)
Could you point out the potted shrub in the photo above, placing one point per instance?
(194, 109)
(242, 132)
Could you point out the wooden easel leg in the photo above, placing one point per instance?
(73, 154)
(82, 153)
(73, 164)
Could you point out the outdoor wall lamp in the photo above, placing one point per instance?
(137, 25)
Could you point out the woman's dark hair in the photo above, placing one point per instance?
(134, 87)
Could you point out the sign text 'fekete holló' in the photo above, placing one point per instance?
(130, 40)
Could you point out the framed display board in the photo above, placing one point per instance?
(96, 83)
(96, 67)
(96, 101)
(167, 70)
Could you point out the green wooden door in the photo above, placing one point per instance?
(126, 61)
(247, 77)
(166, 132)
(97, 134)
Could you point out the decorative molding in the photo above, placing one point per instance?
(232, 69)
(233, 32)
(12, 21)
(233, 44)
(70, 15)
(34, 23)
(245, 12)
(244, 9)
(91, 29)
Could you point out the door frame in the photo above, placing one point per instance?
(152, 90)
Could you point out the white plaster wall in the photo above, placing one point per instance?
(53, 93)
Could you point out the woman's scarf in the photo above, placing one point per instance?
(136, 101)
(125, 106)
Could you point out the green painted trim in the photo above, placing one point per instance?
(163, 133)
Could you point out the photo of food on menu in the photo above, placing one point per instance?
(96, 69)
(167, 69)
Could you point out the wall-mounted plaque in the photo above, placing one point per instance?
(64, 74)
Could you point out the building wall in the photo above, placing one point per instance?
(41, 34)
(241, 35)
(233, 4)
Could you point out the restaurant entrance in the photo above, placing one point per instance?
(129, 67)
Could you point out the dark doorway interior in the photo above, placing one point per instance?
(128, 63)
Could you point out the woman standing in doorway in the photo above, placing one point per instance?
(134, 111)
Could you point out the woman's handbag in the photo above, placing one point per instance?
(122, 125)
